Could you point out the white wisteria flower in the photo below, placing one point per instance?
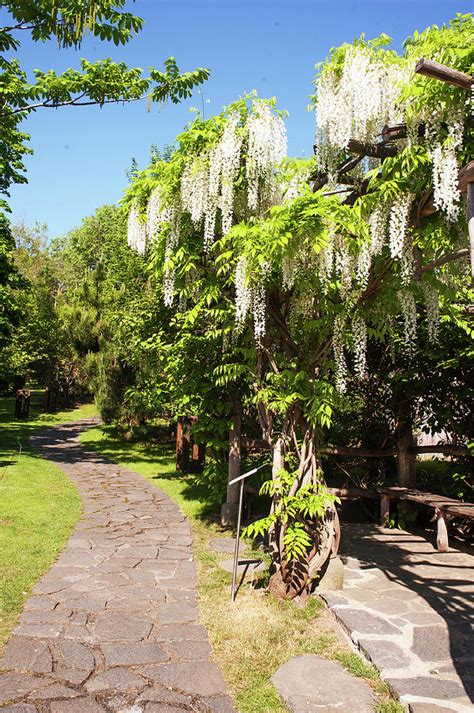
(136, 231)
(432, 311)
(408, 305)
(359, 333)
(398, 224)
(339, 356)
(267, 147)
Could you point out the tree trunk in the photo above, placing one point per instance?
(278, 463)
(292, 577)
(470, 222)
(230, 507)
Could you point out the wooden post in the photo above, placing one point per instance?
(466, 183)
(470, 223)
(442, 542)
(182, 444)
(230, 507)
(384, 509)
(406, 458)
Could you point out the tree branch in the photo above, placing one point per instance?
(71, 102)
(20, 26)
(281, 324)
(444, 259)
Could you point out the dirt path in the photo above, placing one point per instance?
(113, 625)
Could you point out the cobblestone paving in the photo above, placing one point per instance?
(113, 626)
(410, 610)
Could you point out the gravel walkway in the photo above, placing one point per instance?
(113, 626)
(410, 609)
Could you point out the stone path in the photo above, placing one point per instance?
(113, 626)
(410, 610)
(311, 684)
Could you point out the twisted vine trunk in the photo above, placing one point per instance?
(294, 576)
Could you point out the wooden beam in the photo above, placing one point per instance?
(356, 452)
(392, 133)
(255, 444)
(354, 493)
(372, 150)
(399, 131)
(320, 179)
(448, 449)
(428, 68)
(466, 176)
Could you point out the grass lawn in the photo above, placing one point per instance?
(254, 636)
(39, 506)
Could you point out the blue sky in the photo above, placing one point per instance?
(82, 154)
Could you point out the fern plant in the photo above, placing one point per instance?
(292, 512)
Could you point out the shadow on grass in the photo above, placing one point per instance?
(15, 434)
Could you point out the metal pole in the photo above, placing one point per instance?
(237, 542)
(241, 479)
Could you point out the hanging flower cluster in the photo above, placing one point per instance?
(172, 237)
(292, 187)
(243, 296)
(136, 231)
(446, 172)
(208, 181)
(267, 148)
(359, 333)
(249, 297)
(408, 306)
(288, 268)
(344, 263)
(398, 224)
(157, 212)
(364, 262)
(259, 312)
(407, 262)
(339, 356)
(356, 104)
(207, 186)
(432, 311)
(378, 229)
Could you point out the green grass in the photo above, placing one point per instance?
(39, 506)
(254, 636)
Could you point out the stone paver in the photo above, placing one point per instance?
(410, 610)
(310, 683)
(226, 545)
(113, 626)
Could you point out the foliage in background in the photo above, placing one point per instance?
(100, 82)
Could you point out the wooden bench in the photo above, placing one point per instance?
(354, 493)
(444, 509)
